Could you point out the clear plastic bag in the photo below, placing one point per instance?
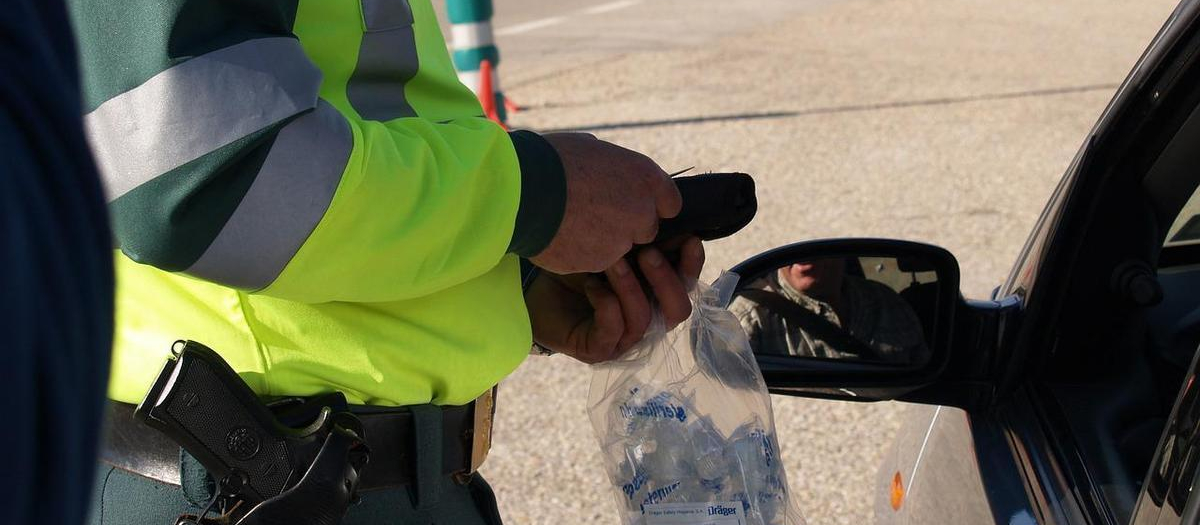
(685, 424)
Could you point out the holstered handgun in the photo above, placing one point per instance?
(201, 403)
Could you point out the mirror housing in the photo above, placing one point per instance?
(859, 380)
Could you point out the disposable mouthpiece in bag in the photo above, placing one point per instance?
(685, 425)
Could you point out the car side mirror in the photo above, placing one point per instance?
(855, 319)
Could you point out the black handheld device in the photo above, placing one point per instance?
(715, 205)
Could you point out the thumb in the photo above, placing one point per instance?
(667, 199)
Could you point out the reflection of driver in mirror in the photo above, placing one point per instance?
(870, 311)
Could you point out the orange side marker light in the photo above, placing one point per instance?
(897, 491)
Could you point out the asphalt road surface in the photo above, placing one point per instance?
(945, 121)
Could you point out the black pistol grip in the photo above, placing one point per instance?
(203, 404)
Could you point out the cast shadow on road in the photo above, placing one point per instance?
(836, 109)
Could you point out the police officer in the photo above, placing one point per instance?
(305, 187)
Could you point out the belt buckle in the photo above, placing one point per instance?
(481, 432)
(481, 437)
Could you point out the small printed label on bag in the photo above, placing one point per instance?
(716, 513)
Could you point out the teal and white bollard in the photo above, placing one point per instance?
(472, 43)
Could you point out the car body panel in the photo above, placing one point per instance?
(934, 439)
(965, 468)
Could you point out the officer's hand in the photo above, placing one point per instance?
(615, 198)
(593, 321)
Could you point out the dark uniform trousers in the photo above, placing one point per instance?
(125, 498)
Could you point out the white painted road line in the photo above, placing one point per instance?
(526, 27)
(611, 6)
(530, 26)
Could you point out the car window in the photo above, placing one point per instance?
(1186, 229)
(897, 274)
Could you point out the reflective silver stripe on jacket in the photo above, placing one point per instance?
(387, 60)
(198, 106)
(284, 203)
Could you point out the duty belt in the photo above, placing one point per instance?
(467, 430)
(287, 460)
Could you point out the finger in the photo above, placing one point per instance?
(635, 307)
(607, 325)
(668, 289)
(691, 260)
(647, 233)
(672, 244)
(667, 199)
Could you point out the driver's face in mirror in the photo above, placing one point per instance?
(828, 308)
(821, 280)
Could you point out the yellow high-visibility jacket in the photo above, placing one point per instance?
(305, 187)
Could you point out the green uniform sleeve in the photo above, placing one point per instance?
(224, 161)
(423, 206)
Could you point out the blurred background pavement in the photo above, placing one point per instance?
(945, 121)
